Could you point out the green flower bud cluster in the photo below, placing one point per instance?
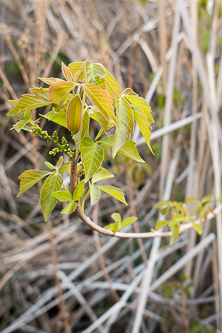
(54, 151)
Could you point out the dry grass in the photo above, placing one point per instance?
(163, 50)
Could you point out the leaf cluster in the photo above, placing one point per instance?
(88, 91)
(179, 214)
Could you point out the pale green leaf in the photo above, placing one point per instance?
(125, 120)
(50, 165)
(129, 92)
(161, 224)
(112, 226)
(98, 116)
(70, 208)
(112, 86)
(20, 124)
(116, 217)
(74, 114)
(175, 234)
(29, 178)
(79, 190)
(143, 124)
(58, 90)
(94, 194)
(65, 167)
(49, 80)
(56, 117)
(114, 192)
(162, 203)
(101, 99)
(76, 69)
(128, 221)
(59, 163)
(141, 103)
(62, 195)
(207, 198)
(101, 174)
(29, 102)
(47, 200)
(93, 71)
(191, 200)
(198, 228)
(92, 157)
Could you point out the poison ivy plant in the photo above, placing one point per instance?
(87, 91)
(178, 214)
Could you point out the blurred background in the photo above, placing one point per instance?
(169, 52)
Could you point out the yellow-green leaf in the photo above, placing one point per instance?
(79, 190)
(75, 68)
(47, 200)
(70, 208)
(94, 194)
(29, 178)
(66, 72)
(93, 71)
(114, 192)
(128, 221)
(65, 167)
(126, 124)
(78, 136)
(74, 114)
(198, 228)
(113, 87)
(161, 224)
(92, 157)
(62, 196)
(49, 80)
(56, 117)
(143, 124)
(58, 90)
(99, 117)
(101, 100)
(101, 174)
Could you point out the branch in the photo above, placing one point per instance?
(152, 234)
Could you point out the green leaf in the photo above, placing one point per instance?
(66, 72)
(143, 124)
(126, 124)
(92, 157)
(49, 80)
(112, 86)
(128, 149)
(94, 194)
(50, 165)
(191, 200)
(175, 234)
(163, 203)
(139, 102)
(65, 167)
(62, 195)
(93, 71)
(75, 69)
(101, 174)
(101, 100)
(84, 126)
(29, 178)
(58, 90)
(161, 224)
(129, 92)
(56, 117)
(70, 208)
(97, 115)
(20, 124)
(47, 200)
(116, 217)
(128, 221)
(74, 114)
(198, 228)
(114, 192)
(112, 226)
(59, 163)
(29, 102)
(207, 198)
(79, 190)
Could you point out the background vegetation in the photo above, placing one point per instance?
(170, 52)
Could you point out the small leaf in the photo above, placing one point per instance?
(50, 166)
(93, 71)
(207, 198)
(161, 224)
(198, 228)
(62, 195)
(58, 90)
(47, 200)
(143, 124)
(163, 203)
(128, 221)
(175, 234)
(78, 136)
(129, 92)
(92, 157)
(101, 100)
(191, 200)
(56, 117)
(141, 103)
(49, 80)
(59, 163)
(97, 115)
(20, 124)
(29, 178)
(113, 87)
(101, 174)
(65, 167)
(74, 114)
(125, 120)
(70, 208)
(79, 190)
(94, 194)
(116, 217)
(112, 226)
(75, 67)
(114, 192)
(66, 72)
